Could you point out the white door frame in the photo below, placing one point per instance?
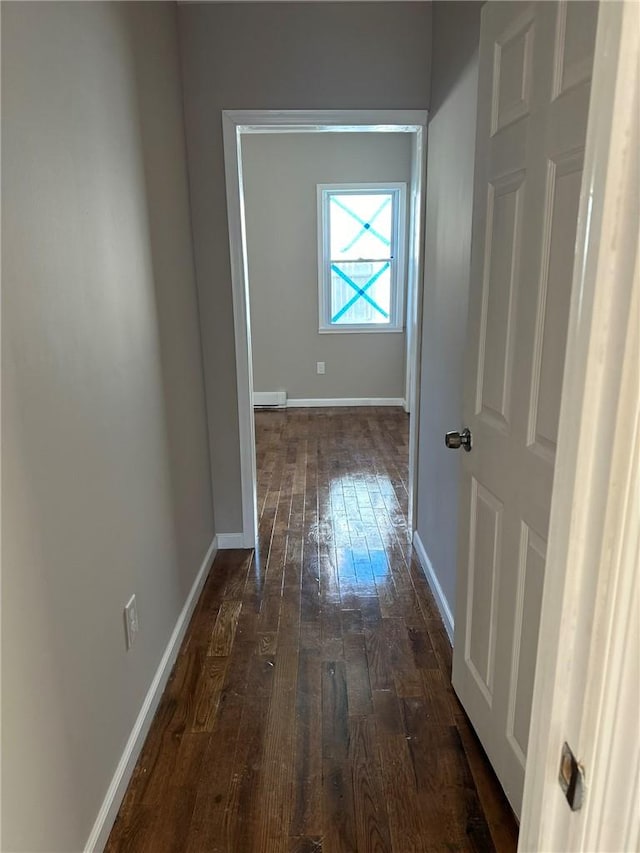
(587, 676)
(235, 123)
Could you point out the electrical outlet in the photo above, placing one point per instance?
(131, 625)
(321, 368)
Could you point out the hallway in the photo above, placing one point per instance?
(310, 708)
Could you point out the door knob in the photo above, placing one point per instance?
(455, 439)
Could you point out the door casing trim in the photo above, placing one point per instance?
(235, 123)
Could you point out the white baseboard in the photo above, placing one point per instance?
(321, 402)
(434, 583)
(232, 540)
(118, 787)
(270, 398)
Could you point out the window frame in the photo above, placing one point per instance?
(398, 272)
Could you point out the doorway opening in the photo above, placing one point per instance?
(237, 127)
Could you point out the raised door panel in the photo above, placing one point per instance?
(564, 175)
(531, 565)
(575, 39)
(501, 264)
(512, 63)
(485, 548)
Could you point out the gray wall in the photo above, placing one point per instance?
(105, 477)
(275, 56)
(451, 148)
(280, 174)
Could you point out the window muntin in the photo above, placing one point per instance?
(360, 242)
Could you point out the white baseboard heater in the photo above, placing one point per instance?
(270, 399)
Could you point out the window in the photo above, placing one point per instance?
(360, 257)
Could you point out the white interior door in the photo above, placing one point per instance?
(533, 95)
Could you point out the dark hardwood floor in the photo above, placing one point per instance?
(311, 706)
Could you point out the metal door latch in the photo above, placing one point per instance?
(571, 778)
(455, 439)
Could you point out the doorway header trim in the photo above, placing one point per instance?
(327, 121)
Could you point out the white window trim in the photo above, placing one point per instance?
(398, 277)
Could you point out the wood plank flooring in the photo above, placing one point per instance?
(311, 708)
